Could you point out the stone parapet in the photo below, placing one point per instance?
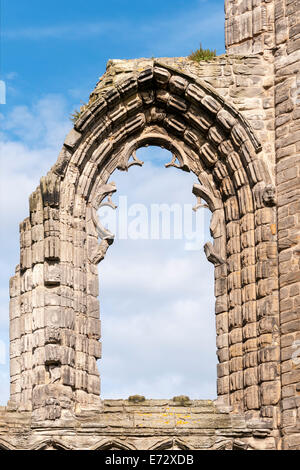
(151, 425)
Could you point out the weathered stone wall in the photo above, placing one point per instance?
(234, 122)
(151, 425)
(287, 129)
(59, 352)
(272, 28)
(249, 26)
(165, 103)
(244, 81)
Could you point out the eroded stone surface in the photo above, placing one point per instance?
(153, 425)
(234, 122)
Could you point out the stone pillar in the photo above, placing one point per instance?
(287, 127)
(15, 339)
(249, 26)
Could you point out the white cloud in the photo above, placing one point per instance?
(11, 75)
(43, 126)
(146, 349)
(157, 305)
(4, 367)
(30, 142)
(4, 388)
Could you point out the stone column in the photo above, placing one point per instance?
(249, 26)
(287, 127)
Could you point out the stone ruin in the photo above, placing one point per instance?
(234, 122)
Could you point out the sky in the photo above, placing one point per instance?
(157, 305)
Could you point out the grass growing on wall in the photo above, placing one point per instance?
(198, 55)
(202, 54)
(76, 115)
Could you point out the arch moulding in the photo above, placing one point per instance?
(54, 307)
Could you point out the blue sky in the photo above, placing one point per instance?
(52, 54)
(63, 46)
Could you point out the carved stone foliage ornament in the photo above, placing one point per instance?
(126, 163)
(106, 237)
(215, 252)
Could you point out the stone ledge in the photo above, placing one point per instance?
(119, 423)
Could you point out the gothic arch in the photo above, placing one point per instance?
(232, 444)
(57, 280)
(113, 444)
(51, 444)
(171, 444)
